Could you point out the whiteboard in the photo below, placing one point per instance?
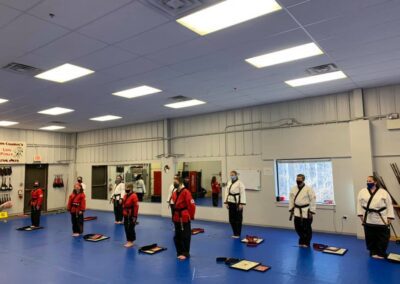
(250, 178)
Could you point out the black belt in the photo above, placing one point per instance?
(301, 207)
(378, 211)
(234, 196)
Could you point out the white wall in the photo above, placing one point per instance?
(251, 143)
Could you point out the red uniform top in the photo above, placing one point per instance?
(76, 202)
(184, 206)
(130, 204)
(216, 188)
(37, 197)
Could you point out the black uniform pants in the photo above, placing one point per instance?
(377, 239)
(235, 218)
(303, 229)
(183, 235)
(129, 224)
(118, 211)
(77, 223)
(35, 216)
(215, 199)
(140, 195)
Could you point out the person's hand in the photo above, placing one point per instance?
(37, 207)
(389, 221)
(227, 206)
(80, 212)
(241, 207)
(120, 201)
(362, 219)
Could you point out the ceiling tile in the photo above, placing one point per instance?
(170, 34)
(7, 14)
(22, 5)
(126, 22)
(131, 68)
(73, 14)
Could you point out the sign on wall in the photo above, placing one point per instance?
(12, 152)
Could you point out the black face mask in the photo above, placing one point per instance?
(299, 182)
(75, 191)
(186, 184)
(176, 185)
(127, 191)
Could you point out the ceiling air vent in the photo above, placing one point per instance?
(180, 98)
(175, 8)
(321, 69)
(23, 69)
(57, 122)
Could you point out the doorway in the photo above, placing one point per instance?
(35, 172)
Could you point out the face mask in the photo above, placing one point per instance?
(186, 184)
(233, 178)
(299, 182)
(176, 185)
(127, 191)
(80, 181)
(117, 181)
(75, 191)
(370, 185)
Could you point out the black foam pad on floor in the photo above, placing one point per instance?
(28, 228)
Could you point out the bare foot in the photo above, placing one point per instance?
(116, 222)
(235, 237)
(75, 235)
(181, 257)
(377, 256)
(129, 244)
(303, 246)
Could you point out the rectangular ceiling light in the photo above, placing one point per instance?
(7, 123)
(64, 73)
(137, 92)
(183, 104)
(105, 118)
(226, 14)
(3, 101)
(56, 111)
(316, 79)
(52, 127)
(285, 55)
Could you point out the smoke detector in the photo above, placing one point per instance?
(322, 69)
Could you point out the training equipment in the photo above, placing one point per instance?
(262, 268)
(196, 231)
(95, 237)
(29, 228)
(392, 257)
(151, 249)
(90, 218)
(252, 241)
(245, 265)
(328, 249)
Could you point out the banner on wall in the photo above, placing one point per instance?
(12, 152)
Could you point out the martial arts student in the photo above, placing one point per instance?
(119, 192)
(302, 205)
(36, 204)
(140, 187)
(80, 180)
(130, 205)
(184, 211)
(171, 190)
(375, 209)
(215, 190)
(77, 206)
(235, 200)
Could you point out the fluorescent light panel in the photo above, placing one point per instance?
(105, 118)
(52, 127)
(183, 104)
(316, 79)
(64, 73)
(285, 55)
(56, 111)
(227, 13)
(7, 123)
(137, 92)
(3, 101)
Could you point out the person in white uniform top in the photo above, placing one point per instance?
(235, 200)
(171, 190)
(375, 210)
(302, 204)
(140, 187)
(80, 181)
(118, 194)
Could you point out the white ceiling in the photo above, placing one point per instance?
(129, 43)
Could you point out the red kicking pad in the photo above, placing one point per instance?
(90, 218)
(252, 241)
(95, 237)
(196, 231)
(151, 249)
(329, 249)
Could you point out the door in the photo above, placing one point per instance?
(99, 182)
(32, 173)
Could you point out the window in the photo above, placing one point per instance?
(318, 175)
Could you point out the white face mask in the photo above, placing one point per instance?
(233, 178)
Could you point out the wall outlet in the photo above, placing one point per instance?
(344, 217)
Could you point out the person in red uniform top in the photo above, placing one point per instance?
(184, 210)
(130, 206)
(36, 204)
(216, 189)
(76, 206)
